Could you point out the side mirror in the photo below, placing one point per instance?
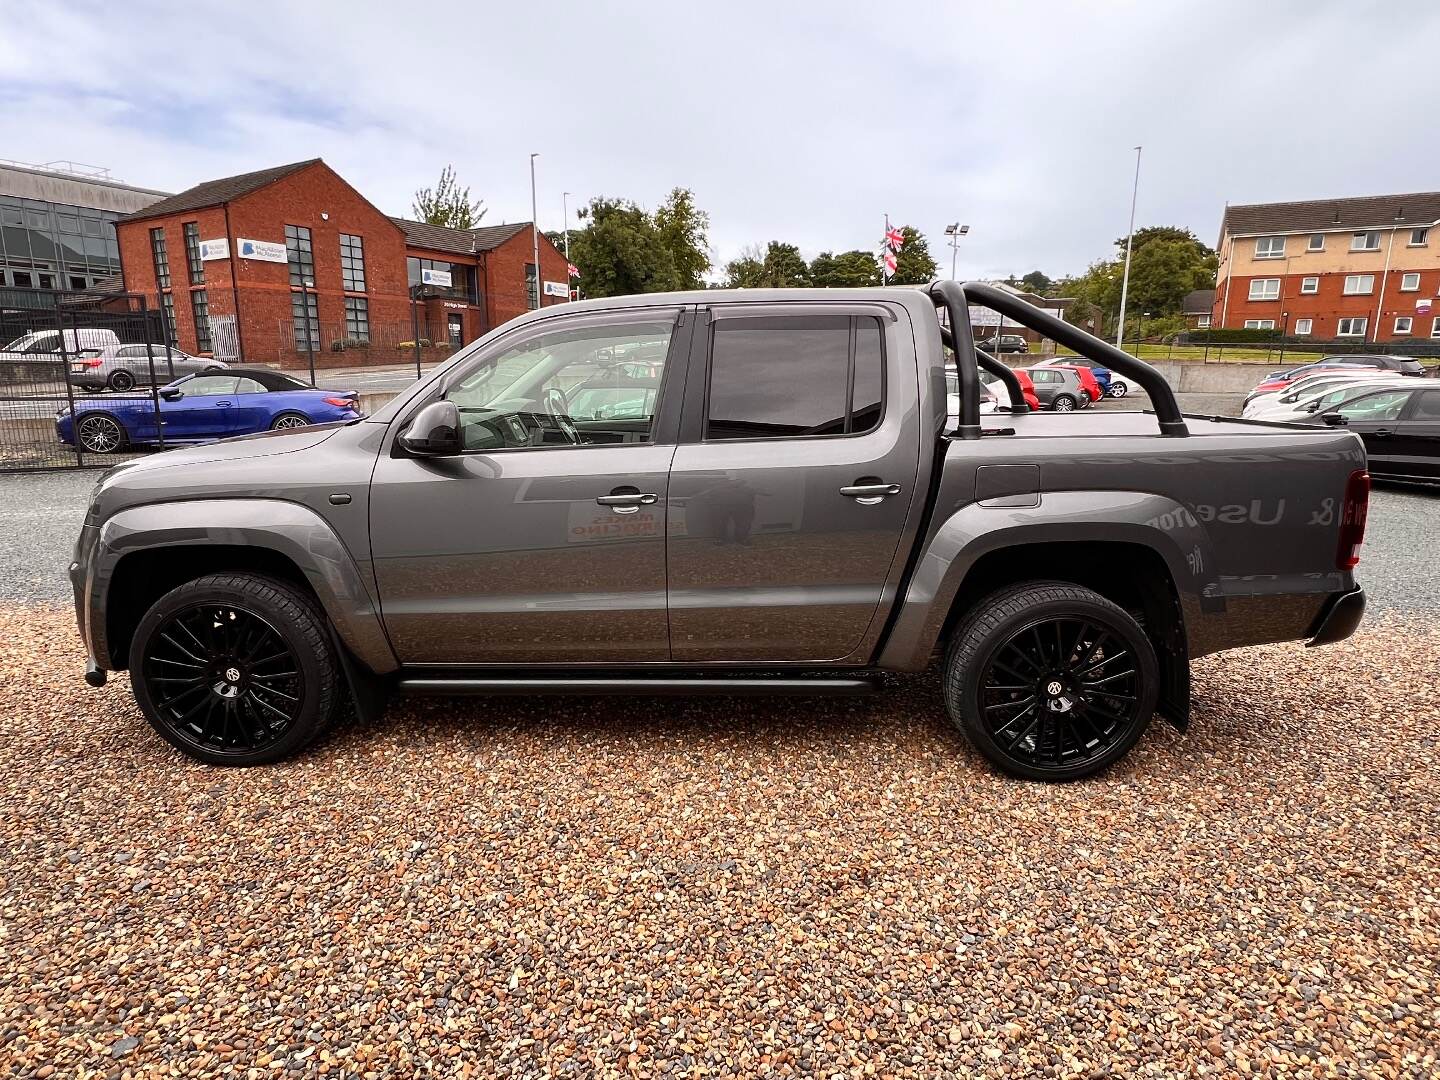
(172, 393)
(1334, 419)
(435, 431)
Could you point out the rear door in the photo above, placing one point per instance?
(1418, 436)
(1374, 417)
(793, 482)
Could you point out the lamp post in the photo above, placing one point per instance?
(565, 209)
(535, 228)
(1140, 334)
(1129, 238)
(306, 288)
(954, 232)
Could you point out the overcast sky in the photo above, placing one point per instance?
(805, 123)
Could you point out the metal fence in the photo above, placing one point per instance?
(53, 348)
(333, 345)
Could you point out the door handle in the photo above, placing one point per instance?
(222, 404)
(869, 494)
(1382, 433)
(627, 502)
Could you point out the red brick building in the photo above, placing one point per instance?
(251, 266)
(1345, 270)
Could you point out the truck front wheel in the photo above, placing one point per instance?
(235, 669)
(1050, 681)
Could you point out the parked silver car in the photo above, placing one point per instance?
(123, 367)
(1059, 388)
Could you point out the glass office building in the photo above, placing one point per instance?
(57, 228)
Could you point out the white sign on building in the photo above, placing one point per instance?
(435, 277)
(261, 250)
(557, 288)
(214, 249)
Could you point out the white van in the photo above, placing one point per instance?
(45, 344)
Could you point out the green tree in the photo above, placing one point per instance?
(447, 203)
(747, 270)
(1167, 233)
(1036, 281)
(914, 265)
(684, 230)
(779, 266)
(620, 251)
(849, 269)
(1163, 271)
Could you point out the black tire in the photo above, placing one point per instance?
(120, 380)
(1063, 403)
(100, 433)
(1077, 714)
(199, 676)
(289, 420)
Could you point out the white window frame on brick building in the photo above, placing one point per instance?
(1410, 282)
(1419, 237)
(1369, 240)
(1270, 247)
(1403, 324)
(1351, 326)
(1265, 288)
(1316, 242)
(1435, 327)
(1259, 324)
(1359, 284)
(1303, 327)
(1309, 285)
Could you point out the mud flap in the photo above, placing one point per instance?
(369, 693)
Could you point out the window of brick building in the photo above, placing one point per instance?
(1419, 237)
(1317, 242)
(1403, 324)
(352, 262)
(357, 318)
(1359, 284)
(532, 286)
(1309, 285)
(305, 314)
(162, 260)
(1265, 288)
(1303, 327)
(301, 254)
(1410, 282)
(192, 253)
(1259, 324)
(1351, 327)
(200, 308)
(167, 303)
(1365, 241)
(1270, 247)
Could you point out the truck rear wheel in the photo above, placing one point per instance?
(1050, 681)
(235, 669)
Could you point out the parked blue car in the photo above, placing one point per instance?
(203, 408)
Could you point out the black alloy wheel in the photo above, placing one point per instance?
(121, 380)
(234, 669)
(1057, 682)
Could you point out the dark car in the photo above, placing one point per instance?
(203, 408)
(1059, 388)
(1400, 427)
(1009, 343)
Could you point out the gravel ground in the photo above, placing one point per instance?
(700, 888)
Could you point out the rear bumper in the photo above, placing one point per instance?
(1339, 619)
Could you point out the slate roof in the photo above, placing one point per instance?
(216, 192)
(1198, 302)
(1321, 215)
(458, 241)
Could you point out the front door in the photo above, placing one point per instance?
(544, 542)
(791, 488)
(455, 328)
(206, 409)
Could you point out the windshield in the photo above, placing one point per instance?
(33, 342)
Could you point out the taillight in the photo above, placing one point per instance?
(1352, 519)
(94, 361)
(340, 402)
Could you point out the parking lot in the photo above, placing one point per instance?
(529, 887)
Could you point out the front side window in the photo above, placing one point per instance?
(1410, 282)
(1317, 242)
(357, 318)
(1270, 247)
(1359, 284)
(582, 386)
(1303, 326)
(1402, 324)
(1365, 241)
(162, 260)
(794, 377)
(1265, 288)
(1386, 405)
(352, 262)
(192, 252)
(300, 255)
(209, 385)
(200, 308)
(1351, 328)
(1310, 285)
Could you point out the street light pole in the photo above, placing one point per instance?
(1129, 239)
(954, 232)
(565, 205)
(306, 285)
(535, 227)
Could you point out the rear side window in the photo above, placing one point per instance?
(1428, 407)
(795, 377)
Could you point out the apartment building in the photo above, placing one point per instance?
(1346, 270)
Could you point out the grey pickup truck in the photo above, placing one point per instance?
(752, 492)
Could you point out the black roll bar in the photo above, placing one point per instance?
(1162, 398)
(951, 296)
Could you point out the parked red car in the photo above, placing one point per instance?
(1028, 387)
(1087, 379)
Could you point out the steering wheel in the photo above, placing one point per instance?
(559, 409)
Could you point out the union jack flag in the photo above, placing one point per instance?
(895, 238)
(574, 270)
(890, 263)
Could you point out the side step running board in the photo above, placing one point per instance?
(636, 685)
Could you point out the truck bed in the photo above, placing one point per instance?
(1113, 423)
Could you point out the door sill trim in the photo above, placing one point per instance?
(638, 685)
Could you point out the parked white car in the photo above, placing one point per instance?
(1284, 397)
(1328, 398)
(45, 344)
